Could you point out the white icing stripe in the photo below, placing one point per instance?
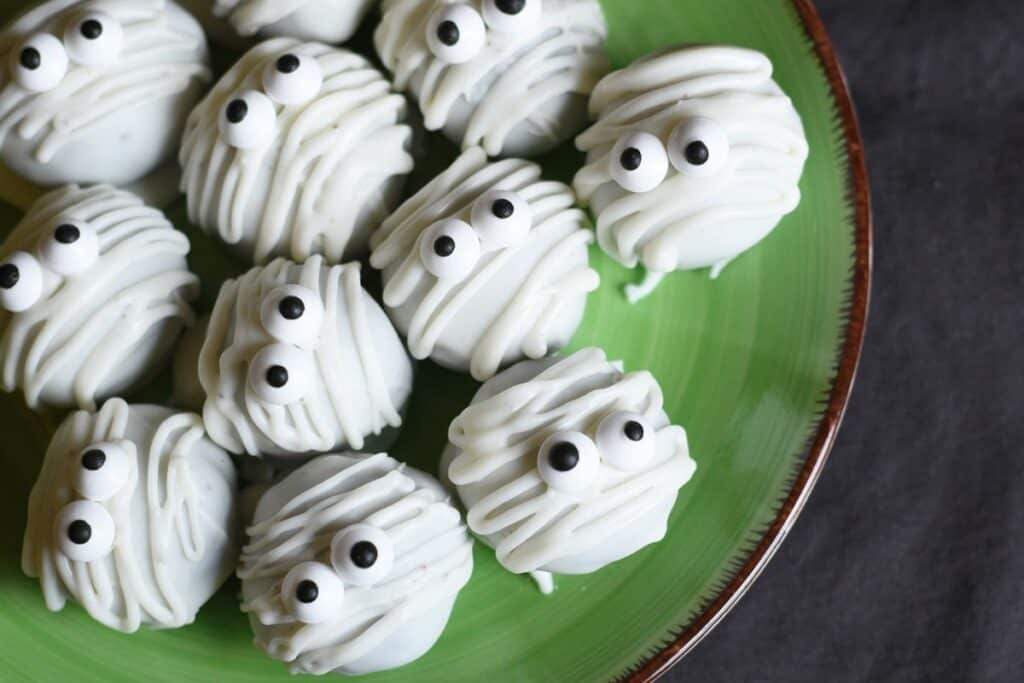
(514, 77)
(530, 524)
(89, 323)
(433, 561)
(346, 142)
(158, 60)
(249, 16)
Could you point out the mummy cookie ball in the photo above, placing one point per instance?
(510, 76)
(486, 265)
(694, 159)
(98, 92)
(566, 465)
(94, 290)
(353, 565)
(299, 359)
(300, 149)
(327, 21)
(133, 516)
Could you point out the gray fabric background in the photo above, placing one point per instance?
(907, 564)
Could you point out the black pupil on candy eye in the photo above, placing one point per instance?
(67, 234)
(697, 153)
(31, 59)
(288, 64)
(9, 275)
(564, 456)
(448, 33)
(237, 111)
(277, 376)
(363, 554)
(444, 246)
(94, 459)
(291, 308)
(92, 29)
(631, 159)
(79, 532)
(510, 6)
(307, 591)
(503, 209)
(634, 431)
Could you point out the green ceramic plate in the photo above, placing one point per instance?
(758, 367)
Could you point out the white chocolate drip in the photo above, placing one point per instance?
(558, 277)
(531, 525)
(133, 586)
(433, 560)
(694, 222)
(510, 81)
(347, 142)
(89, 324)
(158, 60)
(359, 384)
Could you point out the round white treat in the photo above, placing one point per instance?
(328, 21)
(515, 85)
(115, 113)
(735, 148)
(507, 449)
(313, 177)
(157, 534)
(511, 289)
(109, 305)
(347, 381)
(378, 548)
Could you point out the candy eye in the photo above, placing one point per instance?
(312, 592)
(84, 531)
(70, 248)
(502, 219)
(362, 555)
(699, 147)
(102, 470)
(568, 462)
(94, 40)
(249, 120)
(21, 282)
(506, 16)
(40, 63)
(456, 33)
(293, 315)
(639, 162)
(293, 79)
(450, 250)
(627, 441)
(281, 374)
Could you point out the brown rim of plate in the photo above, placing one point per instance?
(652, 668)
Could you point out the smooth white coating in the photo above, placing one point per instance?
(333, 170)
(105, 329)
(116, 121)
(174, 519)
(362, 375)
(693, 220)
(385, 622)
(492, 461)
(327, 21)
(523, 94)
(520, 301)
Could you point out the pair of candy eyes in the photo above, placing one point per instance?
(697, 147)
(361, 555)
(249, 119)
(42, 61)
(450, 249)
(84, 529)
(281, 373)
(456, 33)
(570, 461)
(69, 249)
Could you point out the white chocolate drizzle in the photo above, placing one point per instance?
(249, 16)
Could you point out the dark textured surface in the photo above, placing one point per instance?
(906, 564)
